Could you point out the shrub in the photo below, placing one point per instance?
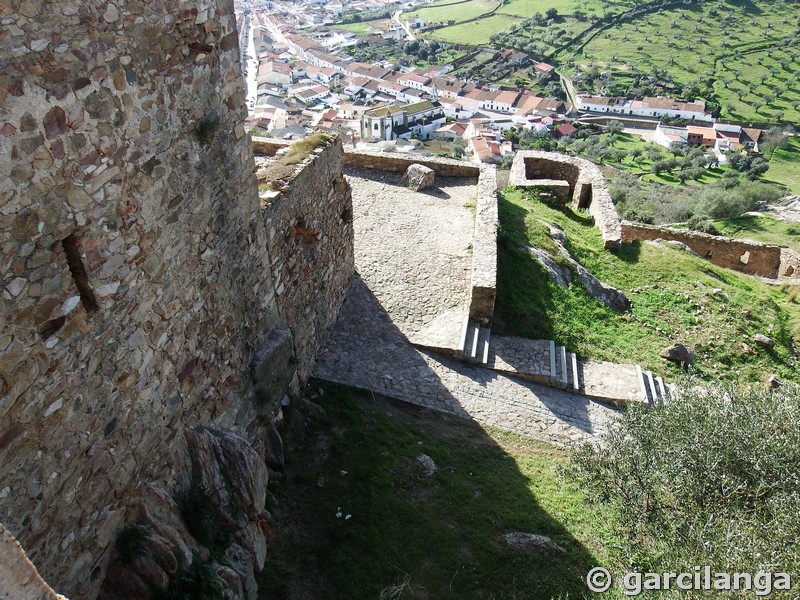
(708, 478)
(702, 224)
(198, 582)
(130, 541)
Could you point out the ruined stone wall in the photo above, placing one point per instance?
(388, 161)
(136, 268)
(483, 285)
(588, 186)
(310, 241)
(790, 264)
(753, 258)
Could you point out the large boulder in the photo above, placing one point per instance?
(678, 353)
(418, 177)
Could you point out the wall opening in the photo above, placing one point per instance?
(79, 276)
(585, 200)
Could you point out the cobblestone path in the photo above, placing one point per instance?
(413, 261)
(413, 250)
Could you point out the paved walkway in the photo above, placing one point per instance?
(413, 250)
(367, 350)
(413, 262)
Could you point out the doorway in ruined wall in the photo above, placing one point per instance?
(585, 196)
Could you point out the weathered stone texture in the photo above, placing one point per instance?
(137, 264)
(484, 249)
(310, 244)
(418, 177)
(393, 161)
(19, 579)
(747, 256)
(534, 168)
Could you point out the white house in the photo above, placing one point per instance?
(403, 121)
(646, 107)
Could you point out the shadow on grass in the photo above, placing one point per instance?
(356, 514)
(421, 536)
(629, 252)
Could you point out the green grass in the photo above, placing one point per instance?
(721, 48)
(762, 228)
(436, 537)
(676, 297)
(475, 33)
(784, 166)
(361, 28)
(643, 165)
(525, 8)
(443, 11)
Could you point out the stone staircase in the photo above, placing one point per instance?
(653, 389)
(564, 368)
(548, 363)
(475, 342)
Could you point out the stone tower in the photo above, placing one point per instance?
(137, 280)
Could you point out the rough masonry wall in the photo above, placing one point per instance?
(392, 161)
(589, 188)
(483, 285)
(136, 280)
(753, 258)
(310, 240)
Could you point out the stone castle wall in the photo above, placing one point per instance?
(753, 258)
(139, 271)
(310, 242)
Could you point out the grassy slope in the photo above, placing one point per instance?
(784, 166)
(643, 166)
(443, 534)
(694, 50)
(714, 310)
(762, 229)
(475, 33)
(688, 42)
(443, 11)
(526, 8)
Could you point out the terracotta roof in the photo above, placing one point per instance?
(507, 97)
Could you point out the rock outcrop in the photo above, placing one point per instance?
(532, 542)
(678, 353)
(563, 274)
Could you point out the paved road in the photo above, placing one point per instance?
(409, 34)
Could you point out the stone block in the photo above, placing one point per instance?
(418, 177)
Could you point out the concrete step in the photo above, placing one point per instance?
(653, 389)
(475, 343)
(574, 379)
(564, 371)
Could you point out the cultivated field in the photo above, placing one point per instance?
(445, 10)
(741, 53)
(473, 33)
(750, 59)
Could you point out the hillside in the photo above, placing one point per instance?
(403, 532)
(676, 297)
(739, 55)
